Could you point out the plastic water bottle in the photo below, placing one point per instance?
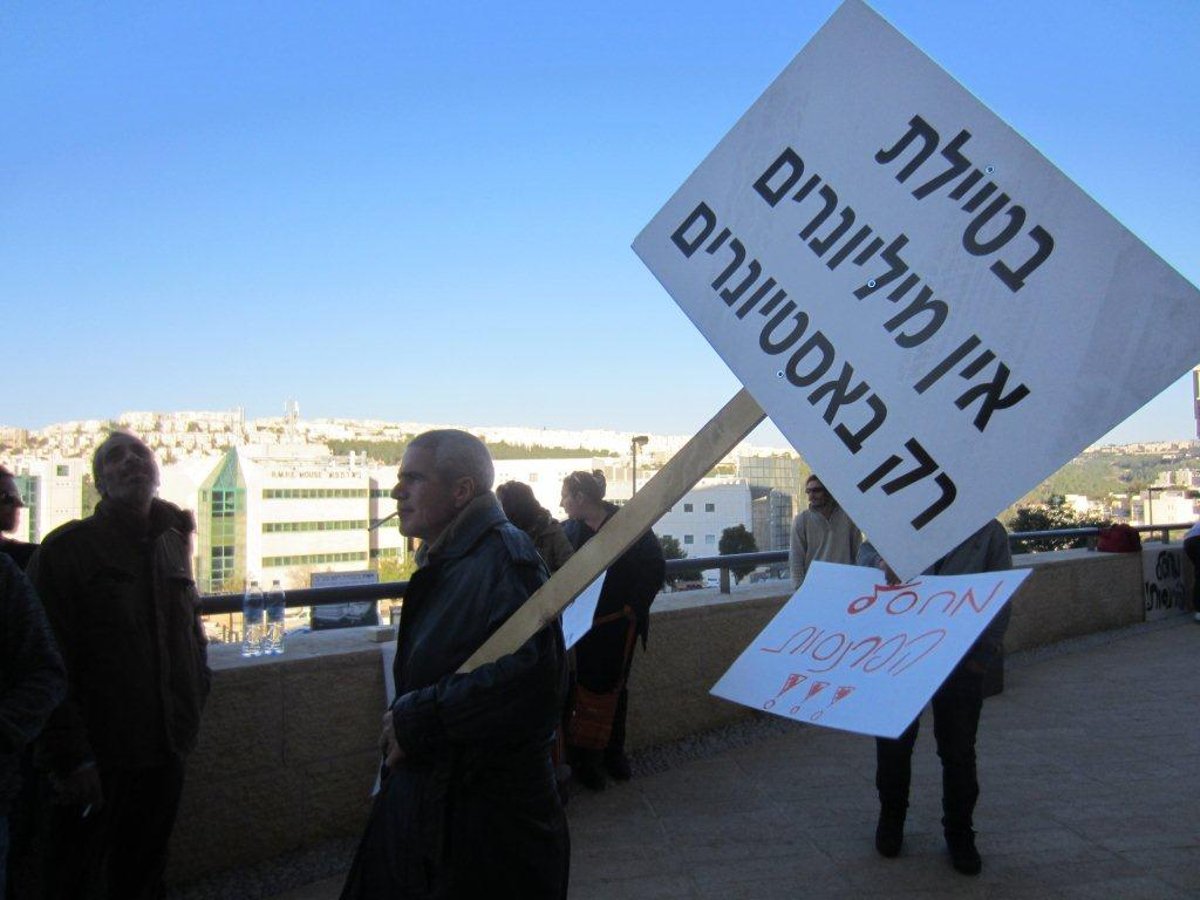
(276, 606)
(252, 621)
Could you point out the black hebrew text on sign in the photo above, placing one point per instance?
(851, 406)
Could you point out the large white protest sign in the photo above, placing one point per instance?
(850, 653)
(929, 310)
(578, 615)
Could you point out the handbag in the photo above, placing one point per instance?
(592, 714)
(590, 723)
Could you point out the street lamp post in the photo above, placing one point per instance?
(638, 441)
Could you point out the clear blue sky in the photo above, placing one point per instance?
(423, 211)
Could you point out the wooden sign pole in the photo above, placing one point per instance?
(697, 458)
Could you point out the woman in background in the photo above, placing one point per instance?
(595, 728)
(526, 513)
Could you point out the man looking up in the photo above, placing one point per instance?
(823, 531)
(468, 806)
(118, 590)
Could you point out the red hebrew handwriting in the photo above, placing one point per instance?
(829, 649)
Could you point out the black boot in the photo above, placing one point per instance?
(889, 833)
(616, 763)
(587, 769)
(963, 855)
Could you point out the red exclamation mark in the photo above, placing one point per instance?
(839, 693)
(790, 682)
(815, 688)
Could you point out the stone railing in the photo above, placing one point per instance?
(287, 752)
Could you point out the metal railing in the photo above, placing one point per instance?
(221, 604)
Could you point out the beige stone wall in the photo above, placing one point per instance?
(1072, 593)
(287, 750)
(287, 753)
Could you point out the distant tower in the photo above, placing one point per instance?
(291, 414)
(1196, 398)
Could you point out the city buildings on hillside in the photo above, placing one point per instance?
(178, 435)
(288, 510)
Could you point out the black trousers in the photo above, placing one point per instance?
(956, 708)
(118, 852)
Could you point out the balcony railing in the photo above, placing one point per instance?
(220, 604)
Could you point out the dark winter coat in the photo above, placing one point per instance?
(634, 580)
(32, 677)
(18, 550)
(123, 606)
(986, 550)
(472, 810)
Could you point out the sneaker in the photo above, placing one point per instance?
(617, 765)
(889, 833)
(963, 855)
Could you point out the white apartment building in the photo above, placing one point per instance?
(1163, 507)
(706, 510)
(52, 490)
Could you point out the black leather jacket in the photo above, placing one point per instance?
(473, 810)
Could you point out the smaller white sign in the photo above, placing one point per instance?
(850, 653)
(578, 615)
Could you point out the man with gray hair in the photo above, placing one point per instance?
(468, 805)
(118, 590)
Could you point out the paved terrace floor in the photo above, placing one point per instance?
(1090, 772)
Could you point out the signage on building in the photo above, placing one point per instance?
(344, 615)
(931, 312)
(848, 653)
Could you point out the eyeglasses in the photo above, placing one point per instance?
(7, 499)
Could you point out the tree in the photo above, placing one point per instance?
(1053, 514)
(736, 539)
(392, 569)
(672, 550)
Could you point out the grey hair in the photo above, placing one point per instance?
(457, 454)
(102, 451)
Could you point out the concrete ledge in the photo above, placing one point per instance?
(287, 753)
(287, 749)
